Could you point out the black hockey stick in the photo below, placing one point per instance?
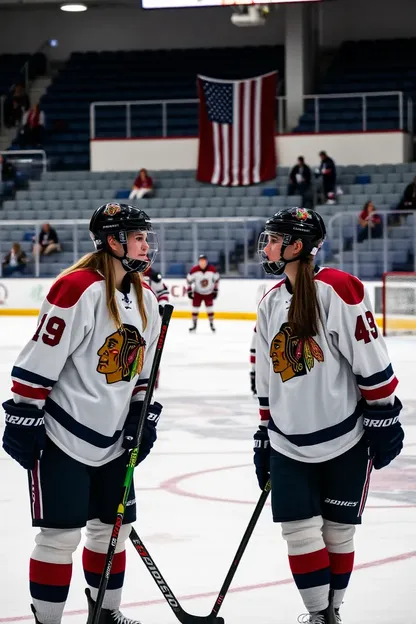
(181, 614)
(133, 455)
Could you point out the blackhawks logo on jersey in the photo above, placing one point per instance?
(292, 356)
(122, 355)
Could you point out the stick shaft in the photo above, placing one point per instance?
(105, 576)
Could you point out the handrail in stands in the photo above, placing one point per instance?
(191, 220)
(11, 153)
(281, 109)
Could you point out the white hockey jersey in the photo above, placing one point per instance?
(261, 291)
(311, 393)
(203, 281)
(81, 370)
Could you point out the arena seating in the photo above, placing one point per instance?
(74, 195)
(137, 75)
(11, 64)
(365, 66)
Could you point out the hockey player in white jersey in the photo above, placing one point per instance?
(328, 410)
(202, 285)
(78, 387)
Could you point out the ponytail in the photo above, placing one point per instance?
(304, 313)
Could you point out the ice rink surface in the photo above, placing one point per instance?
(197, 491)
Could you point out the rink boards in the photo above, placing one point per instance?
(237, 299)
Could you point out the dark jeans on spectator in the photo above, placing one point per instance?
(8, 270)
(302, 189)
(363, 232)
(31, 136)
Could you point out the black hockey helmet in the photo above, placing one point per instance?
(292, 224)
(117, 220)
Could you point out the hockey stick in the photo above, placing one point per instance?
(181, 614)
(133, 455)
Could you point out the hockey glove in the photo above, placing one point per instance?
(262, 456)
(214, 294)
(24, 435)
(190, 294)
(384, 432)
(253, 382)
(149, 429)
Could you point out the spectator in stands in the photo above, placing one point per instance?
(15, 106)
(300, 181)
(408, 201)
(15, 261)
(7, 170)
(369, 223)
(33, 127)
(328, 172)
(142, 186)
(48, 241)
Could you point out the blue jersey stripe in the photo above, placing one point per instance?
(142, 382)
(377, 378)
(25, 375)
(323, 435)
(77, 429)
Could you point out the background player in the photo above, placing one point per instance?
(328, 411)
(203, 280)
(154, 279)
(78, 387)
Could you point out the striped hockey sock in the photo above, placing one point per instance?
(342, 565)
(311, 573)
(49, 586)
(93, 564)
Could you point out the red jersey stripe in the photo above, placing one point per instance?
(380, 393)
(29, 392)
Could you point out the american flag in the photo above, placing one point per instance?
(237, 130)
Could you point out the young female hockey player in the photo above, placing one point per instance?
(77, 390)
(328, 411)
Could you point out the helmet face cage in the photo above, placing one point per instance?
(118, 220)
(311, 246)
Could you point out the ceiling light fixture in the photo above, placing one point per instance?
(74, 8)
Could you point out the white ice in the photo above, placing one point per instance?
(197, 491)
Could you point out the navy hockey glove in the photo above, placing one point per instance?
(24, 435)
(384, 432)
(262, 456)
(149, 429)
(253, 382)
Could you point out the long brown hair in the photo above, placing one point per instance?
(304, 313)
(101, 262)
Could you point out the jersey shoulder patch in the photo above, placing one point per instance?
(67, 290)
(348, 287)
(195, 269)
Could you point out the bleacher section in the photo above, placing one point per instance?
(74, 195)
(137, 75)
(365, 66)
(11, 64)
